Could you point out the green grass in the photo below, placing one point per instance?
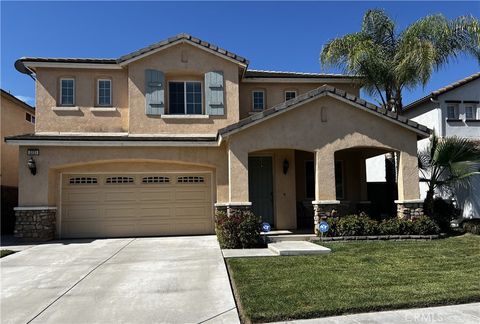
(4, 253)
(358, 277)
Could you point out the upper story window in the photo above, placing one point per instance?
(185, 97)
(67, 91)
(104, 92)
(258, 100)
(452, 112)
(30, 118)
(470, 112)
(290, 94)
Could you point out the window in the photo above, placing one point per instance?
(111, 180)
(310, 179)
(185, 98)
(30, 118)
(190, 179)
(67, 92)
(470, 113)
(339, 188)
(291, 94)
(258, 98)
(155, 180)
(104, 92)
(83, 180)
(452, 112)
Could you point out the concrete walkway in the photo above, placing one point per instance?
(455, 314)
(143, 280)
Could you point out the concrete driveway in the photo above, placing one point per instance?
(140, 280)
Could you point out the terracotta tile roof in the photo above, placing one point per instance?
(142, 51)
(287, 74)
(334, 92)
(440, 91)
(110, 138)
(186, 37)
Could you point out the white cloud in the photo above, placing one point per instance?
(29, 100)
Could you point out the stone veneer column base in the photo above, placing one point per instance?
(406, 209)
(35, 223)
(230, 206)
(322, 209)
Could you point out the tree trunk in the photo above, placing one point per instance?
(428, 204)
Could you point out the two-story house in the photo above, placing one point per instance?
(153, 142)
(16, 117)
(453, 110)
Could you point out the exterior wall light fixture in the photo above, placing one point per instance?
(286, 165)
(32, 166)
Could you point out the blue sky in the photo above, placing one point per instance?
(285, 36)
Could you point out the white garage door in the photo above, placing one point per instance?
(113, 205)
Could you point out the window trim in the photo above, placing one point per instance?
(456, 114)
(61, 92)
(253, 99)
(185, 97)
(98, 92)
(474, 112)
(289, 90)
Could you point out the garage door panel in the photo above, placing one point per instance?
(157, 195)
(123, 195)
(146, 205)
(81, 197)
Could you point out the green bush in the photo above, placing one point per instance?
(423, 225)
(354, 225)
(472, 226)
(239, 230)
(444, 213)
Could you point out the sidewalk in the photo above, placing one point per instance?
(455, 314)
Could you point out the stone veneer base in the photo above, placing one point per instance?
(409, 208)
(35, 223)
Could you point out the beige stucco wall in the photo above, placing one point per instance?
(346, 127)
(86, 119)
(275, 92)
(12, 116)
(170, 62)
(43, 189)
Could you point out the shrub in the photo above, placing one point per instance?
(472, 226)
(239, 230)
(444, 213)
(423, 225)
(354, 225)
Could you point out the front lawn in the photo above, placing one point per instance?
(358, 277)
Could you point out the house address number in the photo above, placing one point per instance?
(33, 151)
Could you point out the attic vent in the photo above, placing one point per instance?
(83, 180)
(190, 179)
(156, 180)
(112, 180)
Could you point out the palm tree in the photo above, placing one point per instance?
(447, 163)
(388, 61)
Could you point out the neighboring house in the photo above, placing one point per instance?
(16, 117)
(453, 110)
(153, 142)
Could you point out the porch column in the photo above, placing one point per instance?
(325, 203)
(237, 179)
(409, 203)
(364, 204)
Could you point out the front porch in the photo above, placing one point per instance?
(282, 182)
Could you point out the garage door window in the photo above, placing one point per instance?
(116, 180)
(155, 180)
(83, 180)
(190, 180)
